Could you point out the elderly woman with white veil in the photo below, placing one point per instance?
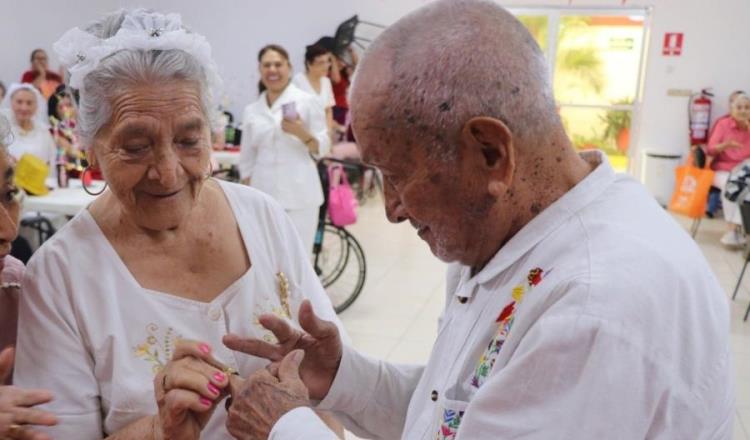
(26, 110)
(124, 309)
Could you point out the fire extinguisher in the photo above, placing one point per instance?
(699, 114)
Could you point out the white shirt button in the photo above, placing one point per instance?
(214, 314)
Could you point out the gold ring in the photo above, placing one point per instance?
(15, 429)
(164, 383)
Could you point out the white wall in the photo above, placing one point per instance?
(715, 49)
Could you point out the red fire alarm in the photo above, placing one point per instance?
(672, 44)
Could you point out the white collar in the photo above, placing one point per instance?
(288, 95)
(577, 198)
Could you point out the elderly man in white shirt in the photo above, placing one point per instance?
(576, 308)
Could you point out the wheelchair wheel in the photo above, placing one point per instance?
(341, 266)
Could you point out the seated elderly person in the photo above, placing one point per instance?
(16, 413)
(576, 308)
(124, 308)
(729, 145)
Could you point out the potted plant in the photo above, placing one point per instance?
(617, 128)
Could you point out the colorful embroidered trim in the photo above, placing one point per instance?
(505, 320)
(449, 425)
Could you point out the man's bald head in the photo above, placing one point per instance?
(448, 62)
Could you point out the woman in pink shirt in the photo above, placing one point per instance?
(729, 145)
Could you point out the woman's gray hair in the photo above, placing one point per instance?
(129, 67)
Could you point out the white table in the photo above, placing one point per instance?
(66, 201)
(226, 159)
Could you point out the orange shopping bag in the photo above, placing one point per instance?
(691, 190)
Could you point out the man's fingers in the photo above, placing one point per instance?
(289, 366)
(279, 327)
(235, 384)
(273, 368)
(254, 347)
(313, 325)
(6, 363)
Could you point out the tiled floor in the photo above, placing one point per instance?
(395, 318)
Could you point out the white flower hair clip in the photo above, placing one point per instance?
(81, 52)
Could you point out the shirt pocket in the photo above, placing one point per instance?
(448, 418)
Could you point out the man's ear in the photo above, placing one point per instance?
(489, 142)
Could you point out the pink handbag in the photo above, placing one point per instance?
(342, 205)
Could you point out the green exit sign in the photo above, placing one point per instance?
(621, 43)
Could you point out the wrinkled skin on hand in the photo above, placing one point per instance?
(264, 398)
(320, 340)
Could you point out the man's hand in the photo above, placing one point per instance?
(264, 398)
(320, 341)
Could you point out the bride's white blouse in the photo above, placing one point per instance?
(94, 337)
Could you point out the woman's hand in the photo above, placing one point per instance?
(16, 412)
(296, 129)
(187, 391)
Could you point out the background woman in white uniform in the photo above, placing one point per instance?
(277, 144)
(315, 79)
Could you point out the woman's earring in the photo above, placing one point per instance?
(85, 186)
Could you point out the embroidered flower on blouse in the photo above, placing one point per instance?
(154, 352)
(282, 309)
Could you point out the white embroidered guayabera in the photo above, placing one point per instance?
(81, 52)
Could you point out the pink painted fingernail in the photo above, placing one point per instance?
(205, 348)
(212, 388)
(219, 377)
(205, 401)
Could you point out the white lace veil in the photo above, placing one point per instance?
(40, 117)
(81, 52)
